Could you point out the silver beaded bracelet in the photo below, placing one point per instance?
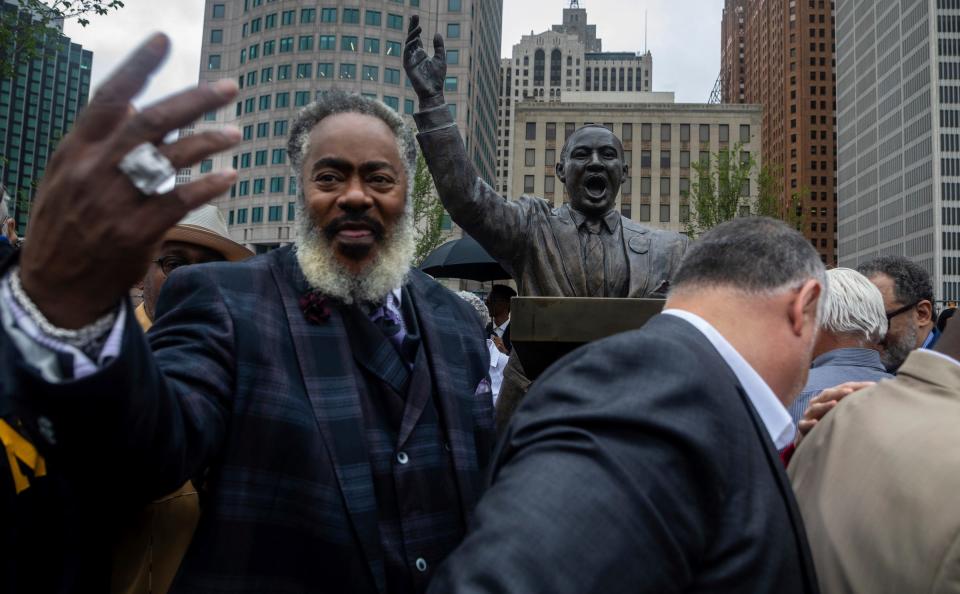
(79, 338)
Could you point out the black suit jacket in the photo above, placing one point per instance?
(635, 464)
(240, 389)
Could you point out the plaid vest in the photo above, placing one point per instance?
(418, 504)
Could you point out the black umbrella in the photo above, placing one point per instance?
(463, 258)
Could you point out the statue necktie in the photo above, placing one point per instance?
(593, 259)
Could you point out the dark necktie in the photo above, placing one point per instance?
(593, 259)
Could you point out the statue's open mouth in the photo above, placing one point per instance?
(596, 186)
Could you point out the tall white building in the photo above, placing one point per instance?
(898, 122)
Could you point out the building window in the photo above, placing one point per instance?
(219, 11)
(394, 48)
(278, 156)
(453, 56)
(527, 184)
(305, 43)
(646, 132)
(291, 211)
(664, 132)
(286, 45)
(351, 16)
(248, 132)
(744, 133)
(371, 73)
(348, 71)
(450, 84)
(724, 133)
(328, 15)
(568, 129)
(255, 26)
(280, 128)
(704, 132)
(371, 45)
(392, 102)
(453, 30)
(325, 70)
(531, 131)
(391, 76)
(644, 213)
(263, 129)
(530, 157)
(213, 62)
(664, 186)
(304, 70)
(301, 98)
(206, 165)
(626, 133)
(328, 42)
(216, 36)
(287, 17)
(260, 158)
(275, 213)
(266, 75)
(348, 43)
(372, 18)
(684, 159)
(276, 186)
(395, 21)
(408, 106)
(268, 47)
(453, 5)
(264, 102)
(644, 186)
(241, 215)
(283, 72)
(256, 213)
(684, 132)
(664, 159)
(308, 15)
(646, 159)
(664, 213)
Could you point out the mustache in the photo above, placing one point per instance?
(352, 219)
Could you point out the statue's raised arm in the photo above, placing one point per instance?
(498, 225)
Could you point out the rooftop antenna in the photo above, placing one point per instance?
(645, 31)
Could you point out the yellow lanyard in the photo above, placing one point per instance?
(18, 448)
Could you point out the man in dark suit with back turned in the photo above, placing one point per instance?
(332, 402)
(647, 462)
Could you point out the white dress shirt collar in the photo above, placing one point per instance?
(772, 413)
(499, 330)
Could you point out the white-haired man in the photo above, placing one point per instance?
(333, 402)
(853, 324)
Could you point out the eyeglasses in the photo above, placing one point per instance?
(900, 310)
(170, 263)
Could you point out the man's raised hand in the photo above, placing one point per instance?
(92, 232)
(426, 74)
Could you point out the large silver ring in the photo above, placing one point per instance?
(147, 168)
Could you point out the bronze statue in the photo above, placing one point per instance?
(586, 249)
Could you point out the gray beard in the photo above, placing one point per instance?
(324, 273)
(894, 354)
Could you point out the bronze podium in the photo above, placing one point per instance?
(544, 329)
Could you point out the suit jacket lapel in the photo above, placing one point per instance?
(567, 241)
(636, 245)
(454, 395)
(325, 359)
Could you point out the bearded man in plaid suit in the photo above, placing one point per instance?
(332, 403)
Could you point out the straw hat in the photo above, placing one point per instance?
(205, 227)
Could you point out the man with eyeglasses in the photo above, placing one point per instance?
(154, 540)
(908, 301)
(199, 238)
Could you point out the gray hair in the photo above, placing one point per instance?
(911, 282)
(336, 102)
(854, 307)
(756, 255)
(477, 304)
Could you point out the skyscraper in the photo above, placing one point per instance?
(38, 106)
(898, 72)
(283, 53)
(781, 54)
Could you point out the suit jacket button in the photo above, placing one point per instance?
(421, 564)
(402, 457)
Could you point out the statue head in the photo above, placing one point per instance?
(592, 168)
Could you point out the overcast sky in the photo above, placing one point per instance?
(682, 35)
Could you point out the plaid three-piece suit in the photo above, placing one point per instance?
(244, 395)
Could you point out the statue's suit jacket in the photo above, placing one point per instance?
(877, 482)
(535, 242)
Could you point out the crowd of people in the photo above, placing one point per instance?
(320, 418)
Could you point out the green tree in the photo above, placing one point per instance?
(23, 31)
(428, 212)
(724, 189)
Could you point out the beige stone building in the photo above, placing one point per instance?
(283, 53)
(661, 140)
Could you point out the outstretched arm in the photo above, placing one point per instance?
(499, 225)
